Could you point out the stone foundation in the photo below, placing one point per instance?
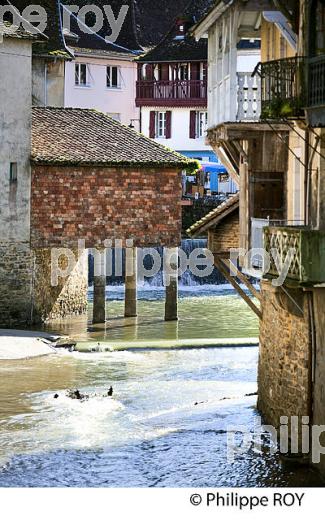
(16, 276)
(285, 355)
(26, 292)
(69, 296)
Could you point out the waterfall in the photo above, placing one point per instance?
(187, 279)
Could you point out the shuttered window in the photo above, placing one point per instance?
(160, 125)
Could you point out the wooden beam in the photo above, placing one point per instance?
(219, 265)
(243, 279)
(227, 163)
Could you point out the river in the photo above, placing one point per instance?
(166, 424)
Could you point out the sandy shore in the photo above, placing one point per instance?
(19, 344)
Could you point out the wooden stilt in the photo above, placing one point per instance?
(130, 310)
(171, 282)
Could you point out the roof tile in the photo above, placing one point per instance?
(85, 136)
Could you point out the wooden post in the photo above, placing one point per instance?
(171, 283)
(130, 309)
(99, 306)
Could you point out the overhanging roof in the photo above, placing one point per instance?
(215, 216)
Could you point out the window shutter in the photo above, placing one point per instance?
(192, 124)
(149, 72)
(164, 72)
(152, 125)
(195, 70)
(168, 124)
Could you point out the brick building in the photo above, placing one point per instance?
(92, 179)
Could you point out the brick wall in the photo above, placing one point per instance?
(284, 364)
(225, 236)
(97, 203)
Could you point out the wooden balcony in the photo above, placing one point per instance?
(307, 255)
(283, 88)
(178, 93)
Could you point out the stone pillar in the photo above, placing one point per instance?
(99, 308)
(131, 282)
(171, 283)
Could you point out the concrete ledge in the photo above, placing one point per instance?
(18, 344)
(105, 346)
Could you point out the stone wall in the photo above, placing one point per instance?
(15, 138)
(55, 296)
(284, 363)
(16, 277)
(97, 203)
(319, 383)
(225, 236)
(27, 295)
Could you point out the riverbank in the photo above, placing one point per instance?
(22, 344)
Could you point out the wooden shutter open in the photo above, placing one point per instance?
(152, 125)
(192, 124)
(168, 124)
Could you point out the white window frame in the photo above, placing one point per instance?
(201, 124)
(160, 124)
(183, 67)
(203, 72)
(78, 75)
(118, 77)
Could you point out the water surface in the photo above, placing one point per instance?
(166, 423)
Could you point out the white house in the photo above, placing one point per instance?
(105, 81)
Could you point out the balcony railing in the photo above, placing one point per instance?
(301, 248)
(248, 97)
(283, 88)
(172, 93)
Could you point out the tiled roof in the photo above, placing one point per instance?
(154, 18)
(186, 49)
(215, 216)
(127, 38)
(82, 136)
(12, 31)
(146, 23)
(53, 29)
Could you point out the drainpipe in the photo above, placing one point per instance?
(306, 180)
(309, 164)
(312, 359)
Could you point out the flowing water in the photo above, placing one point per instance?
(166, 424)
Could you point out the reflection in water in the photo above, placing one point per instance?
(204, 312)
(151, 433)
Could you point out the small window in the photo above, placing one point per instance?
(81, 75)
(161, 124)
(112, 77)
(115, 115)
(13, 173)
(201, 124)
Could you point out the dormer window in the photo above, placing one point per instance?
(180, 29)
